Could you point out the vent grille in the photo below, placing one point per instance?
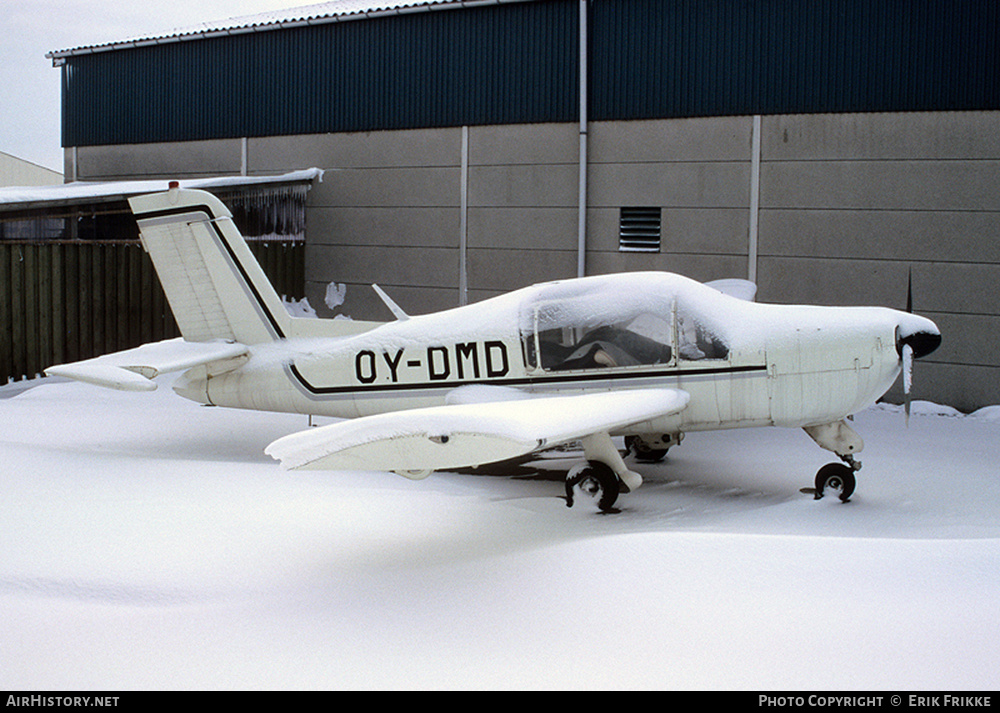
(639, 230)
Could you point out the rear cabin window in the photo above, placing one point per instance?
(696, 342)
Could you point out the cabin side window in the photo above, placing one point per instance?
(555, 345)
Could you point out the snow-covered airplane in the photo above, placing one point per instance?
(648, 356)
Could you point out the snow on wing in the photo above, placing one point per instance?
(134, 369)
(469, 434)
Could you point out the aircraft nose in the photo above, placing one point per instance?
(922, 339)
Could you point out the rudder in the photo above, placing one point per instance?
(215, 286)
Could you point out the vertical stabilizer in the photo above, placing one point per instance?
(215, 286)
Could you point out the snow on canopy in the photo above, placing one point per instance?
(619, 298)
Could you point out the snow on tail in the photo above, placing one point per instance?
(215, 286)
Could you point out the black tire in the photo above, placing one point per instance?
(642, 452)
(837, 477)
(597, 480)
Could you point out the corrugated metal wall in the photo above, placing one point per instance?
(61, 300)
(657, 59)
(518, 64)
(503, 64)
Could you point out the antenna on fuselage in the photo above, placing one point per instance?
(396, 310)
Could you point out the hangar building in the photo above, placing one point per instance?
(834, 151)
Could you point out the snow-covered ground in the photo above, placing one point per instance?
(147, 542)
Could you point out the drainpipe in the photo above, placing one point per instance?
(754, 200)
(463, 223)
(581, 247)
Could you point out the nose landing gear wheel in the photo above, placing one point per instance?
(595, 480)
(835, 477)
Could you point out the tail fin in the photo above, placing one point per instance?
(215, 286)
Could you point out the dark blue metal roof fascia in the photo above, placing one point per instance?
(517, 63)
(513, 63)
(675, 58)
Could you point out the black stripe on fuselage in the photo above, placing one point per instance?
(204, 209)
(549, 380)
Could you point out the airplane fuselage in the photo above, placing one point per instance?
(783, 366)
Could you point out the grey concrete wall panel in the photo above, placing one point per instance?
(190, 159)
(725, 138)
(501, 145)
(697, 267)
(696, 170)
(524, 186)
(965, 387)
(385, 265)
(807, 280)
(388, 187)
(522, 228)
(908, 235)
(884, 184)
(500, 270)
(387, 211)
(920, 135)
(959, 288)
(423, 148)
(677, 184)
(972, 340)
(424, 226)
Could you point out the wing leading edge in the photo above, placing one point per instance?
(469, 434)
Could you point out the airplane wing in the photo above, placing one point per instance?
(469, 433)
(134, 369)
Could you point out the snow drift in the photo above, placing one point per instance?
(147, 542)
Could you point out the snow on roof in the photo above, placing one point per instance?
(334, 11)
(19, 198)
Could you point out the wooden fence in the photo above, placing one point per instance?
(62, 301)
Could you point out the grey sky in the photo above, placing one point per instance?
(30, 99)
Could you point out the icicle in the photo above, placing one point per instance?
(274, 213)
(907, 378)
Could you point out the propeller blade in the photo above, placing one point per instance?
(907, 353)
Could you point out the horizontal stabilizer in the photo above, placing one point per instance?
(469, 434)
(133, 369)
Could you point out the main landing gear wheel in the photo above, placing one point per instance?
(596, 480)
(835, 477)
(643, 452)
